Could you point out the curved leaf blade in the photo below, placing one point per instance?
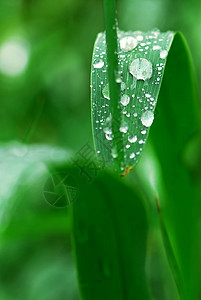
(140, 77)
(110, 232)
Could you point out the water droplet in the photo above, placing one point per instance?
(114, 153)
(143, 132)
(106, 91)
(125, 99)
(128, 43)
(98, 64)
(147, 95)
(147, 118)
(163, 54)
(141, 142)
(108, 131)
(132, 155)
(108, 136)
(128, 146)
(141, 68)
(132, 139)
(124, 127)
(118, 77)
(140, 37)
(156, 47)
(123, 86)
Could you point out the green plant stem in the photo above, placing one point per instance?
(112, 60)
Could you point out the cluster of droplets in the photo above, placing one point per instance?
(140, 69)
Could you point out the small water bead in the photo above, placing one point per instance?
(132, 139)
(156, 47)
(147, 118)
(163, 54)
(140, 38)
(143, 132)
(118, 77)
(125, 99)
(128, 43)
(128, 146)
(123, 86)
(141, 142)
(114, 153)
(98, 64)
(147, 95)
(108, 136)
(108, 131)
(106, 91)
(135, 115)
(141, 69)
(123, 128)
(132, 155)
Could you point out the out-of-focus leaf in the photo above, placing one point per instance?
(175, 126)
(110, 231)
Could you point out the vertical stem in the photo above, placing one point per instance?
(112, 60)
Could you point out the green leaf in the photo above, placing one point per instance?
(142, 59)
(110, 232)
(176, 121)
(176, 125)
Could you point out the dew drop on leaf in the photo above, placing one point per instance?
(132, 155)
(123, 86)
(132, 139)
(163, 54)
(128, 43)
(114, 153)
(147, 118)
(98, 64)
(125, 99)
(106, 91)
(124, 127)
(108, 136)
(141, 69)
(156, 47)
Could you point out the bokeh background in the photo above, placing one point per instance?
(45, 59)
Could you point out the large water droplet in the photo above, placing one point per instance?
(128, 43)
(163, 54)
(147, 118)
(98, 64)
(125, 99)
(141, 68)
(106, 91)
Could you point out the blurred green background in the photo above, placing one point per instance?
(45, 56)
